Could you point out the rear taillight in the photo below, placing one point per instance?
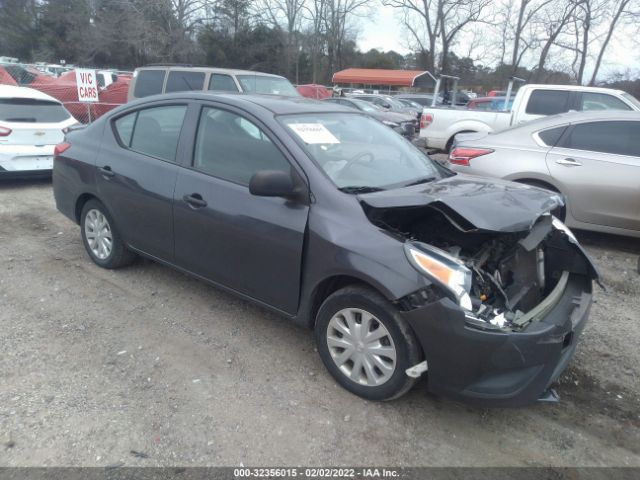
(5, 132)
(60, 148)
(463, 156)
(425, 120)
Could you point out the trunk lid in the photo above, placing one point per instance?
(33, 133)
(32, 121)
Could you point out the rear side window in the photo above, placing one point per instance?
(149, 82)
(180, 81)
(124, 128)
(223, 83)
(482, 106)
(601, 101)
(550, 137)
(620, 138)
(153, 131)
(233, 148)
(267, 84)
(548, 102)
(30, 110)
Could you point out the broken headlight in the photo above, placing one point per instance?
(443, 268)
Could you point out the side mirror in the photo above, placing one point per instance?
(272, 183)
(386, 105)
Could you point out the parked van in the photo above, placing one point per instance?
(153, 80)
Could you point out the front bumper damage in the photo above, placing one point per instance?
(494, 367)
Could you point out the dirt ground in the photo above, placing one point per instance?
(146, 366)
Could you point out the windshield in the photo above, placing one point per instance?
(31, 110)
(366, 106)
(358, 153)
(395, 103)
(266, 84)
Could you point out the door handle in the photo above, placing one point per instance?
(568, 162)
(195, 200)
(106, 171)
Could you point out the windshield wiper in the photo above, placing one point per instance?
(360, 189)
(420, 180)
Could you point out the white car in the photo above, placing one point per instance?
(31, 125)
(439, 125)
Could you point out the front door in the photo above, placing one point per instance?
(224, 233)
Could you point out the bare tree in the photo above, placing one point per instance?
(428, 24)
(439, 22)
(527, 12)
(337, 14)
(314, 12)
(622, 9)
(286, 17)
(586, 18)
(554, 20)
(455, 15)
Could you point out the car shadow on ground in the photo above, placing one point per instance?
(608, 241)
(20, 183)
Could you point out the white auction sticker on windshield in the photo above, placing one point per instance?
(313, 133)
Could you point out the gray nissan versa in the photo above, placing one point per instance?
(320, 213)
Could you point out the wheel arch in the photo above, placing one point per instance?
(330, 285)
(545, 183)
(80, 203)
(449, 143)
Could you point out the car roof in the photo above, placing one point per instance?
(578, 88)
(356, 95)
(10, 91)
(517, 133)
(204, 68)
(578, 117)
(276, 104)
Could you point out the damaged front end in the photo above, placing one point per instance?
(500, 320)
(503, 280)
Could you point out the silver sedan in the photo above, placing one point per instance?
(592, 158)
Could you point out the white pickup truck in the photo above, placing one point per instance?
(439, 125)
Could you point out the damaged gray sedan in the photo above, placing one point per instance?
(402, 268)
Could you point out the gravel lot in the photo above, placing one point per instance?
(146, 366)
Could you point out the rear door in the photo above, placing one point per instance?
(224, 233)
(597, 165)
(137, 175)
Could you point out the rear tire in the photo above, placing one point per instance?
(561, 212)
(101, 238)
(365, 344)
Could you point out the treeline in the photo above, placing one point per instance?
(308, 40)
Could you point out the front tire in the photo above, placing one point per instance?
(365, 344)
(101, 238)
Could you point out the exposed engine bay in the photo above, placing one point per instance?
(513, 275)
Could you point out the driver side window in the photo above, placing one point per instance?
(230, 147)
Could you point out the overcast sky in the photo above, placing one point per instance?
(385, 32)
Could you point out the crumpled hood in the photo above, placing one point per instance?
(486, 204)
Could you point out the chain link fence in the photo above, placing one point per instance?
(85, 112)
(65, 90)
